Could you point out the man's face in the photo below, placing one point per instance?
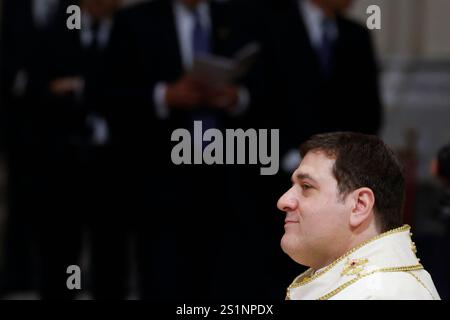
(317, 218)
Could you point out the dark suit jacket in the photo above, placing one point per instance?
(25, 47)
(19, 51)
(144, 51)
(303, 100)
(67, 57)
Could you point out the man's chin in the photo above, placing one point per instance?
(290, 249)
(286, 245)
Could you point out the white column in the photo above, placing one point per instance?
(411, 29)
(437, 30)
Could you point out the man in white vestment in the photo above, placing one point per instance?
(344, 221)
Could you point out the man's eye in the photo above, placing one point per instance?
(306, 186)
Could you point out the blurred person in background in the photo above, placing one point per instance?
(80, 171)
(440, 169)
(321, 65)
(181, 213)
(25, 27)
(320, 68)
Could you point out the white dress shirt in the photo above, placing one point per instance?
(313, 17)
(184, 22)
(43, 11)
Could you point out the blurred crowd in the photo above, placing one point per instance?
(87, 117)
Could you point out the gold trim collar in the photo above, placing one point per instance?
(303, 279)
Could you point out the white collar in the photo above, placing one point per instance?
(202, 9)
(184, 22)
(392, 249)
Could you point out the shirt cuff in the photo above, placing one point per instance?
(159, 100)
(242, 103)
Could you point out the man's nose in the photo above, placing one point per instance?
(287, 201)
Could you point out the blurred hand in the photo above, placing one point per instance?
(223, 97)
(67, 85)
(184, 94)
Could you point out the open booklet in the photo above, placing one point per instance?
(217, 70)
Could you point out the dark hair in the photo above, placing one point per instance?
(365, 161)
(443, 160)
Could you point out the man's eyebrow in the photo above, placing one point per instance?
(303, 176)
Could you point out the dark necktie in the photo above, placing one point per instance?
(200, 36)
(325, 50)
(201, 46)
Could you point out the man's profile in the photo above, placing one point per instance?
(344, 221)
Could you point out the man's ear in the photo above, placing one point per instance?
(363, 203)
